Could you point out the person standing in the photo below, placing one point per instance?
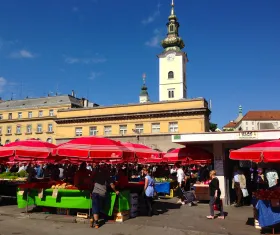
(239, 183)
(215, 196)
(102, 181)
(149, 191)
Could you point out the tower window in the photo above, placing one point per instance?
(170, 74)
(171, 28)
(170, 93)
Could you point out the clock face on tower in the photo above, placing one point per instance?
(171, 56)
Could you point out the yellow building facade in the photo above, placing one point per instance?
(33, 118)
(147, 123)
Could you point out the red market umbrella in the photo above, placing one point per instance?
(142, 151)
(151, 160)
(190, 155)
(33, 149)
(268, 151)
(94, 147)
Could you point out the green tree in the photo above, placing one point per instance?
(213, 126)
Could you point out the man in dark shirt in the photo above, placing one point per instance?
(102, 181)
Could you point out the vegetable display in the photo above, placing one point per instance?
(18, 176)
(63, 186)
(162, 180)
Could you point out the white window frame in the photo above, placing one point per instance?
(173, 127)
(123, 129)
(51, 112)
(78, 131)
(29, 114)
(1, 116)
(139, 128)
(40, 113)
(0, 130)
(93, 131)
(171, 93)
(39, 128)
(107, 130)
(156, 127)
(18, 129)
(10, 116)
(50, 129)
(29, 129)
(19, 115)
(9, 130)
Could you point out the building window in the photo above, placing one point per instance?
(0, 130)
(107, 130)
(171, 28)
(7, 141)
(49, 140)
(29, 114)
(1, 116)
(171, 93)
(246, 123)
(39, 128)
(51, 113)
(246, 128)
(78, 131)
(50, 128)
(170, 74)
(29, 129)
(253, 123)
(40, 114)
(139, 128)
(155, 127)
(173, 127)
(123, 129)
(10, 116)
(93, 131)
(18, 130)
(9, 130)
(253, 128)
(20, 115)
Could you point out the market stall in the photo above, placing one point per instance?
(266, 202)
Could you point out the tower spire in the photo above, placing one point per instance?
(173, 41)
(144, 96)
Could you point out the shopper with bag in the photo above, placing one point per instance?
(215, 196)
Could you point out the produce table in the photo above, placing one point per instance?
(72, 199)
(202, 192)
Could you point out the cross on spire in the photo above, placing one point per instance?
(144, 78)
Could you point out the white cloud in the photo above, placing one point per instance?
(7, 43)
(22, 54)
(3, 83)
(155, 40)
(94, 75)
(152, 17)
(89, 60)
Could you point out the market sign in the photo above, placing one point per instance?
(248, 135)
(177, 137)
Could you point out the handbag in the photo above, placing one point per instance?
(218, 205)
(245, 192)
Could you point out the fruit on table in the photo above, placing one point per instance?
(63, 186)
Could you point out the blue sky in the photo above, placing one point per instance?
(101, 48)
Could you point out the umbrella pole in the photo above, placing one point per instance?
(26, 208)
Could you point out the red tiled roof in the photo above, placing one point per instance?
(230, 125)
(262, 115)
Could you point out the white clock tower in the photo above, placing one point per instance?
(172, 63)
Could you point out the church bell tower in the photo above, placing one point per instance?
(172, 63)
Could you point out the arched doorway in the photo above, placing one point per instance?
(49, 140)
(7, 141)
